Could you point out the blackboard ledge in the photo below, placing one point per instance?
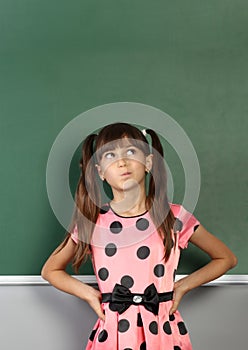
(91, 279)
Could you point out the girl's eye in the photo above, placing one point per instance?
(109, 155)
(130, 152)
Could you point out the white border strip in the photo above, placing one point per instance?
(91, 279)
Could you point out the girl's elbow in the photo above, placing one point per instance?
(233, 261)
(45, 273)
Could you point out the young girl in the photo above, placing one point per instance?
(134, 242)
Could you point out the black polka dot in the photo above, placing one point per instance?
(104, 209)
(182, 328)
(196, 227)
(92, 335)
(143, 252)
(143, 346)
(123, 325)
(167, 327)
(103, 274)
(153, 327)
(178, 225)
(159, 270)
(177, 347)
(139, 321)
(142, 224)
(127, 281)
(116, 227)
(103, 335)
(172, 317)
(112, 307)
(110, 249)
(128, 349)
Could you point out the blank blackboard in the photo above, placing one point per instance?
(60, 59)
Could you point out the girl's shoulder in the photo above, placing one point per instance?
(185, 225)
(177, 209)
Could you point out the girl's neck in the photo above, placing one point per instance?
(130, 203)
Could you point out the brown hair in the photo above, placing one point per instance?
(88, 194)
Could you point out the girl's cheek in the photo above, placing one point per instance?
(105, 163)
(105, 167)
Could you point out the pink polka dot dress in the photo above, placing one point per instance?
(127, 252)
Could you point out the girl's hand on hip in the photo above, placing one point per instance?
(94, 300)
(179, 292)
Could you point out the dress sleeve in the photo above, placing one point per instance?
(74, 234)
(186, 225)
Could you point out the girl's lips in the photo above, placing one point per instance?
(125, 174)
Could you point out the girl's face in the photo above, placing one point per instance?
(124, 166)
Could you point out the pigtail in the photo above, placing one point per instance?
(88, 193)
(87, 204)
(157, 200)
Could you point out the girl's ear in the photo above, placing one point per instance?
(99, 172)
(149, 162)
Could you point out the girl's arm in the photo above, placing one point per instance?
(222, 259)
(54, 272)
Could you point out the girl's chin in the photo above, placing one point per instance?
(130, 183)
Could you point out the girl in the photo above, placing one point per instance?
(134, 242)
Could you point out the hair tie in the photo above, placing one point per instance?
(144, 132)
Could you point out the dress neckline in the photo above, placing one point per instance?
(126, 217)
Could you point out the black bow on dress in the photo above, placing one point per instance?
(122, 298)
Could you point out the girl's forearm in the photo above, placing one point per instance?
(68, 284)
(214, 269)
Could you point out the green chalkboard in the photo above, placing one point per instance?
(60, 59)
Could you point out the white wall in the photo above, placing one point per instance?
(39, 317)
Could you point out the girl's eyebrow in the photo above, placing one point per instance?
(108, 150)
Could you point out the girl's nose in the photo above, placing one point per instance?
(122, 162)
